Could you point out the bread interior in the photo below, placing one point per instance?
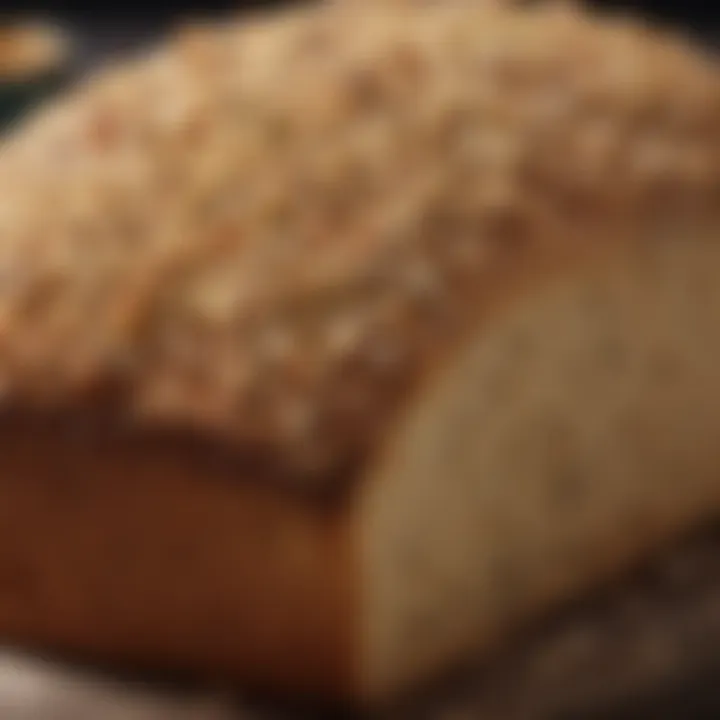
(576, 432)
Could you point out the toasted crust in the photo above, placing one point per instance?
(271, 255)
(178, 560)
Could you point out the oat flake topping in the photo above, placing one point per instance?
(265, 230)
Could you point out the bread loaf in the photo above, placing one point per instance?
(339, 343)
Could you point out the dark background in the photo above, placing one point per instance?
(688, 10)
(103, 29)
(699, 13)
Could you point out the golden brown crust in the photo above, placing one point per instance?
(176, 560)
(269, 254)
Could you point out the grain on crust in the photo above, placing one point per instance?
(263, 231)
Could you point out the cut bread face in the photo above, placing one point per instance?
(575, 433)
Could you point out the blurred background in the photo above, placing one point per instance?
(107, 26)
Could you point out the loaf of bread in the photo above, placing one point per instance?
(343, 342)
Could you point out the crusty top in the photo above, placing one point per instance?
(262, 232)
